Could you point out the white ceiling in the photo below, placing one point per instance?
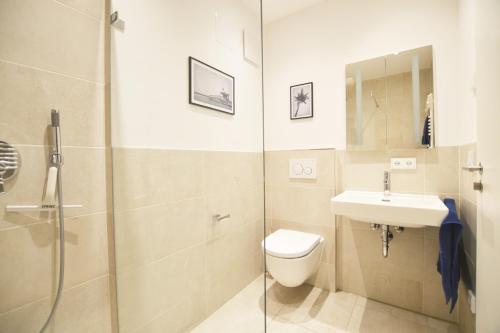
(274, 10)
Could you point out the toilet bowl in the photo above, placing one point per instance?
(292, 256)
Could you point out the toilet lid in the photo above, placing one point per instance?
(290, 244)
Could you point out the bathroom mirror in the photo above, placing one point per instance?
(390, 101)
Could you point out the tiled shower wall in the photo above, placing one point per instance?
(303, 204)
(175, 266)
(52, 56)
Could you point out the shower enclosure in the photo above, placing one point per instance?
(187, 152)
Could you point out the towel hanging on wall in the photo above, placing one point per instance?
(448, 264)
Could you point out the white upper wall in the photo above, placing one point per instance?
(149, 74)
(316, 44)
(467, 69)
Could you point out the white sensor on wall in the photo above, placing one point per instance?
(304, 168)
(404, 163)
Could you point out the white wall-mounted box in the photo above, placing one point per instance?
(304, 168)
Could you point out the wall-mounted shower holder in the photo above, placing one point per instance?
(18, 208)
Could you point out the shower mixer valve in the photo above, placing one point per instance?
(9, 163)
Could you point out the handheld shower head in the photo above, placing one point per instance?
(54, 117)
(56, 155)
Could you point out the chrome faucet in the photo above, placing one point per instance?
(387, 183)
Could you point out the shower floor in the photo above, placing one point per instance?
(307, 309)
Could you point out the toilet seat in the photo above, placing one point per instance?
(289, 244)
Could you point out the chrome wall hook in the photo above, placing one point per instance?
(116, 21)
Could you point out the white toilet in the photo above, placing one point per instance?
(292, 256)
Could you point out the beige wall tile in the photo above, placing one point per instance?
(441, 173)
(145, 177)
(181, 277)
(138, 303)
(86, 242)
(233, 261)
(81, 104)
(84, 308)
(301, 204)
(324, 278)
(151, 290)
(33, 265)
(138, 177)
(30, 266)
(32, 32)
(434, 303)
(167, 211)
(184, 175)
(134, 235)
(362, 171)
(85, 180)
(182, 225)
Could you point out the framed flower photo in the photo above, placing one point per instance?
(301, 101)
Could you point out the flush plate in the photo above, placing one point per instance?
(304, 168)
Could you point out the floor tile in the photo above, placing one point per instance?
(277, 326)
(233, 317)
(307, 309)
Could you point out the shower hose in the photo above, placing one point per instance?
(61, 250)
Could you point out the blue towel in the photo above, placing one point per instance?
(426, 138)
(448, 264)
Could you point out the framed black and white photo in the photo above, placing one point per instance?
(210, 87)
(301, 101)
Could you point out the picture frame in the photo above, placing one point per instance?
(301, 101)
(210, 87)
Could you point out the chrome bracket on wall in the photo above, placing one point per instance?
(116, 21)
(472, 168)
(10, 161)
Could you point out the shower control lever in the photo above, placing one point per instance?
(10, 161)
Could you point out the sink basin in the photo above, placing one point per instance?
(398, 209)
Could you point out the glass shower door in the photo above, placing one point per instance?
(186, 105)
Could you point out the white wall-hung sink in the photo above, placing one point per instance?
(397, 209)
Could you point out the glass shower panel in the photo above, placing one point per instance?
(186, 105)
